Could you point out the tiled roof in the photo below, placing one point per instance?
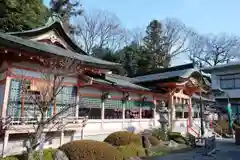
(54, 23)
(222, 66)
(121, 81)
(170, 69)
(185, 73)
(10, 41)
(195, 96)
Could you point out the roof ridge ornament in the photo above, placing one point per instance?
(55, 17)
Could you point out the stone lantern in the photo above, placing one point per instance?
(163, 112)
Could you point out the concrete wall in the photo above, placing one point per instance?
(215, 76)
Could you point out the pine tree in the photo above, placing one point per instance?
(155, 46)
(19, 15)
(66, 9)
(130, 59)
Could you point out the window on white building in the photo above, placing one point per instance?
(231, 81)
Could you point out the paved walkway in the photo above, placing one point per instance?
(226, 150)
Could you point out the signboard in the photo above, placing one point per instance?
(131, 129)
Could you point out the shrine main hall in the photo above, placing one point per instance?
(113, 102)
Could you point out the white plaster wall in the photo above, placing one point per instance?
(17, 145)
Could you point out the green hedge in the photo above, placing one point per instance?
(90, 150)
(132, 150)
(122, 138)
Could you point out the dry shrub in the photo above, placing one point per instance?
(122, 138)
(89, 150)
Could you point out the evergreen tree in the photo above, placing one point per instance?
(130, 59)
(19, 15)
(155, 46)
(66, 9)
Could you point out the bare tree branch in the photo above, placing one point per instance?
(42, 95)
(176, 36)
(101, 29)
(211, 50)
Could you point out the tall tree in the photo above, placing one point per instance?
(66, 9)
(212, 50)
(99, 28)
(176, 37)
(130, 58)
(154, 42)
(22, 15)
(106, 54)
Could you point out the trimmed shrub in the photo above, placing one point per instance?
(122, 138)
(153, 140)
(89, 150)
(131, 150)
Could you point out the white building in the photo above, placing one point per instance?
(226, 78)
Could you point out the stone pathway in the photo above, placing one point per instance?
(226, 150)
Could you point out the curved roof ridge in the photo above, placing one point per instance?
(54, 18)
(53, 22)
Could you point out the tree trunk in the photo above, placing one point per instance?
(34, 143)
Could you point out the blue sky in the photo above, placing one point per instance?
(205, 16)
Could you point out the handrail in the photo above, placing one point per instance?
(34, 120)
(211, 130)
(194, 131)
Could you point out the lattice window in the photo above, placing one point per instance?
(88, 102)
(133, 105)
(113, 109)
(15, 90)
(93, 105)
(113, 104)
(31, 110)
(14, 99)
(147, 109)
(70, 112)
(147, 105)
(14, 109)
(67, 95)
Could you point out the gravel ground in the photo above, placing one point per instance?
(226, 150)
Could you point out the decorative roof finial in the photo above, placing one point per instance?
(54, 18)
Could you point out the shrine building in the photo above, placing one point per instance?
(113, 102)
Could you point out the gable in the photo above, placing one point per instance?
(52, 37)
(53, 33)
